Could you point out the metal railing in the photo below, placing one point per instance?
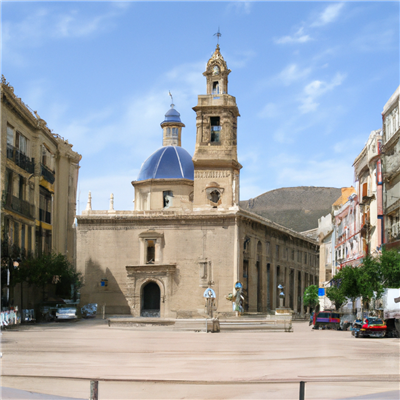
(20, 206)
(296, 387)
(22, 160)
(47, 174)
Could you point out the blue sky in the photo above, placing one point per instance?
(310, 80)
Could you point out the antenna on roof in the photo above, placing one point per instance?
(172, 99)
(218, 35)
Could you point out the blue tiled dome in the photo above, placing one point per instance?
(169, 162)
(172, 115)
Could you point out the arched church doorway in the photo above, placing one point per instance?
(151, 299)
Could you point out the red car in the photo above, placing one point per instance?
(372, 327)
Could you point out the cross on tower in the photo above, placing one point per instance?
(218, 35)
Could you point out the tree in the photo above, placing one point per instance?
(49, 269)
(310, 297)
(370, 279)
(336, 295)
(390, 268)
(348, 279)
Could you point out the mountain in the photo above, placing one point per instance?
(298, 208)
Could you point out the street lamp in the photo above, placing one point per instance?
(281, 295)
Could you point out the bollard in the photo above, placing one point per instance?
(94, 390)
(104, 311)
(302, 390)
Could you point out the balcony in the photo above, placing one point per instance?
(45, 216)
(20, 206)
(20, 159)
(47, 174)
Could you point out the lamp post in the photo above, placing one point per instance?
(281, 295)
(16, 265)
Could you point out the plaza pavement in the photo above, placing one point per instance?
(158, 363)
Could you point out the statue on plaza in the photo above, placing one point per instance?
(237, 298)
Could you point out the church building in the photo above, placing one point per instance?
(187, 232)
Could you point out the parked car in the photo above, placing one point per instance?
(56, 311)
(372, 327)
(326, 320)
(65, 312)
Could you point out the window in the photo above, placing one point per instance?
(21, 191)
(267, 249)
(29, 238)
(16, 233)
(167, 198)
(151, 252)
(305, 258)
(175, 132)
(215, 129)
(168, 130)
(293, 255)
(21, 143)
(23, 237)
(215, 89)
(214, 196)
(45, 206)
(47, 158)
(10, 135)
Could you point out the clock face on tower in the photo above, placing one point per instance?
(215, 70)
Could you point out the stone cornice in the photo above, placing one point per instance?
(143, 218)
(264, 221)
(206, 163)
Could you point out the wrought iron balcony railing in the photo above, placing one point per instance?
(47, 174)
(18, 205)
(20, 159)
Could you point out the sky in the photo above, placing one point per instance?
(310, 81)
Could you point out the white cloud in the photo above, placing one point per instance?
(270, 110)
(298, 37)
(316, 89)
(240, 7)
(329, 15)
(293, 73)
(44, 25)
(317, 171)
(73, 25)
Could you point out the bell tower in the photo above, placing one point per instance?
(216, 168)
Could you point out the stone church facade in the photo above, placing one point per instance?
(188, 232)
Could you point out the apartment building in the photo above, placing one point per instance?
(39, 175)
(390, 174)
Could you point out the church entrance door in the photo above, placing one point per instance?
(151, 297)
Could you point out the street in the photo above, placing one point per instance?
(156, 363)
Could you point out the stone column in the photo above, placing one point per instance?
(295, 290)
(288, 288)
(301, 294)
(274, 286)
(253, 277)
